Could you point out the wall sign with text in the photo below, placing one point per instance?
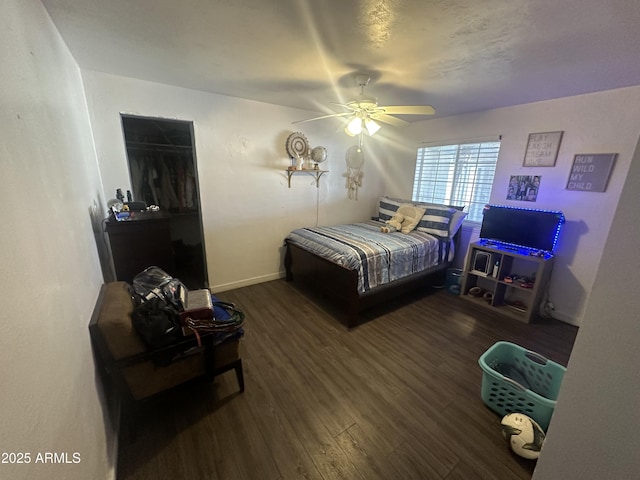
(542, 149)
(590, 172)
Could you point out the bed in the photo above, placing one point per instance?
(359, 266)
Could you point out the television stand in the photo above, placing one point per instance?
(517, 287)
(507, 247)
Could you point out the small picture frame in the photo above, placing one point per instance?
(590, 172)
(524, 187)
(542, 149)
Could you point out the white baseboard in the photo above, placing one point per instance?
(566, 318)
(246, 282)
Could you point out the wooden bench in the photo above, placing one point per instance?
(137, 373)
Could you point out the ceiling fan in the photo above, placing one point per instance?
(364, 113)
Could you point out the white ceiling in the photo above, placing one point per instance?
(458, 55)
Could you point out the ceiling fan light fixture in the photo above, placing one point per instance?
(363, 102)
(372, 126)
(354, 127)
(363, 112)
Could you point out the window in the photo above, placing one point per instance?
(456, 175)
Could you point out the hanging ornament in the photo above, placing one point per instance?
(355, 160)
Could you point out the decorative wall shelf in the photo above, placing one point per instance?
(309, 171)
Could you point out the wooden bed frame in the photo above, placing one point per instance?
(341, 284)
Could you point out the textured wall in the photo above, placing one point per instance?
(247, 207)
(590, 435)
(51, 196)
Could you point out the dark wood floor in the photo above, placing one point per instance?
(397, 397)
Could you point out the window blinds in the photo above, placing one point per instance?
(459, 174)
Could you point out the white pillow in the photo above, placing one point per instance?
(439, 220)
(456, 222)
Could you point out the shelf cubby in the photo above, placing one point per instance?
(519, 298)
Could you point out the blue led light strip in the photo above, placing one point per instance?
(561, 221)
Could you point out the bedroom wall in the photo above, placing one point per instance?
(51, 195)
(604, 122)
(590, 435)
(247, 207)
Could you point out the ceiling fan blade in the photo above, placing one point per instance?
(408, 109)
(383, 117)
(324, 116)
(343, 105)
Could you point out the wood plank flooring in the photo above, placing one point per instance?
(397, 397)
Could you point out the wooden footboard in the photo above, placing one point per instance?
(341, 284)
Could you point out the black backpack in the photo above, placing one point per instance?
(157, 323)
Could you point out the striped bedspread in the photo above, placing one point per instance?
(378, 257)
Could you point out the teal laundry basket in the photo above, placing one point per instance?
(531, 385)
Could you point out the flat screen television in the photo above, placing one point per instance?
(521, 227)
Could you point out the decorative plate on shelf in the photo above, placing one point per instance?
(318, 154)
(297, 145)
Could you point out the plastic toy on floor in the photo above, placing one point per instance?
(523, 434)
